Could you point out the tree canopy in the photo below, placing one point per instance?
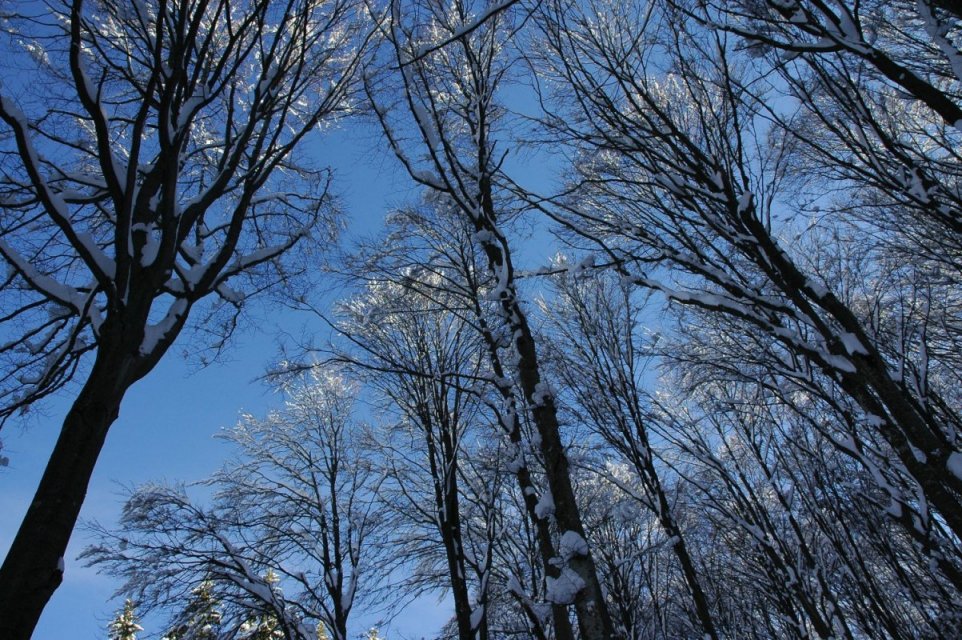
(726, 406)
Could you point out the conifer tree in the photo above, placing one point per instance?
(200, 618)
(264, 626)
(124, 626)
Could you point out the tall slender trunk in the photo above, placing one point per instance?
(33, 568)
(450, 511)
(643, 460)
(526, 487)
(594, 621)
(459, 587)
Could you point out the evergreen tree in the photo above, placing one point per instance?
(124, 626)
(200, 618)
(263, 626)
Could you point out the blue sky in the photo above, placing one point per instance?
(168, 420)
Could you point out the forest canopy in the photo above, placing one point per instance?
(726, 406)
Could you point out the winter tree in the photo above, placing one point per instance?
(200, 618)
(734, 413)
(124, 626)
(702, 164)
(444, 132)
(601, 359)
(293, 532)
(424, 360)
(148, 176)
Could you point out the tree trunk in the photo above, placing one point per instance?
(559, 613)
(454, 550)
(594, 622)
(459, 587)
(33, 568)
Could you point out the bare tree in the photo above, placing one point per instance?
(686, 185)
(601, 358)
(294, 530)
(147, 172)
(408, 340)
(444, 135)
(647, 592)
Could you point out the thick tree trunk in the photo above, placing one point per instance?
(546, 547)
(33, 568)
(594, 621)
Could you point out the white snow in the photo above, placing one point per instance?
(545, 506)
(189, 108)
(483, 236)
(915, 187)
(462, 31)
(428, 178)
(13, 111)
(572, 544)
(918, 454)
(588, 262)
(874, 421)
(745, 201)
(102, 262)
(347, 597)
(838, 362)
(542, 393)
(954, 464)
(516, 462)
(265, 82)
(68, 296)
(477, 614)
(258, 589)
(940, 34)
(426, 124)
(852, 344)
(564, 588)
(150, 249)
(154, 333)
(230, 295)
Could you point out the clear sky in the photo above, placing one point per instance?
(168, 420)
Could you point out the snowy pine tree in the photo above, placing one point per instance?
(200, 618)
(263, 626)
(124, 626)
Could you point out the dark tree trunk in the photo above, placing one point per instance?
(559, 613)
(594, 622)
(459, 587)
(33, 568)
(447, 498)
